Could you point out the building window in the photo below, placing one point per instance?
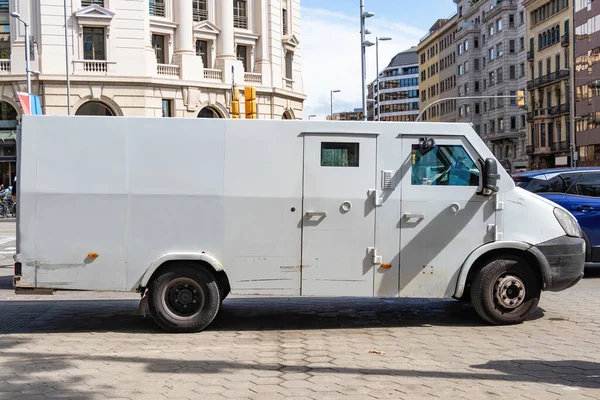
(85, 3)
(158, 44)
(511, 46)
(284, 18)
(499, 25)
(477, 86)
(167, 108)
(476, 64)
(513, 100)
(511, 20)
(491, 54)
(512, 72)
(242, 55)
(513, 123)
(202, 51)
(499, 75)
(521, 18)
(289, 64)
(94, 44)
(521, 43)
(4, 31)
(156, 8)
(499, 50)
(240, 14)
(200, 10)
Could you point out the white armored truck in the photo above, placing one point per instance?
(186, 211)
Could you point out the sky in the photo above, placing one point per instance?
(330, 36)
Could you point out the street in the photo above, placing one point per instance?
(96, 346)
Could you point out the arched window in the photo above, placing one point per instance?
(7, 112)
(95, 108)
(208, 112)
(286, 115)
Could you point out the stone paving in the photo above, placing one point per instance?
(96, 346)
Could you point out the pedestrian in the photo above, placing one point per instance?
(14, 190)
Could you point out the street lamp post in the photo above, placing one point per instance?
(331, 92)
(67, 59)
(363, 49)
(377, 39)
(17, 16)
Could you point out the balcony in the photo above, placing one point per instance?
(5, 66)
(530, 55)
(200, 15)
(465, 28)
(251, 77)
(167, 70)
(548, 79)
(240, 21)
(288, 84)
(564, 40)
(213, 75)
(99, 67)
(559, 146)
(156, 8)
(85, 3)
(530, 116)
(501, 5)
(560, 109)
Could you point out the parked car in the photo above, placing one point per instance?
(577, 190)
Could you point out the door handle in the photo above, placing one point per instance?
(413, 215)
(316, 213)
(585, 208)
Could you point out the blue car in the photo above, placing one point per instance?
(577, 190)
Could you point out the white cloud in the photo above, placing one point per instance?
(331, 56)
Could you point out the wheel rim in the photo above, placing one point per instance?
(182, 298)
(509, 291)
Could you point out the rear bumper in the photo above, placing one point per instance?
(563, 259)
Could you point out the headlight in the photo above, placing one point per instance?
(568, 222)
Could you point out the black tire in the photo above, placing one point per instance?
(184, 299)
(506, 291)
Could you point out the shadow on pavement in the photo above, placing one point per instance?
(240, 314)
(591, 271)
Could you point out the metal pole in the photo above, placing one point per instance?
(27, 69)
(67, 61)
(331, 104)
(572, 127)
(377, 68)
(363, 52)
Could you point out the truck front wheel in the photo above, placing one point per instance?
(506, 291)
(184, 299)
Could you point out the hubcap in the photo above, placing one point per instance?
(183, 298)
(509, 291)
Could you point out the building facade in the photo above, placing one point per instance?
(356, 115)
(437, 73)
(490, 62)
(398, 93)
(549, 61)
(587, 82)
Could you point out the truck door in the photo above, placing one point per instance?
(338, 218)
(442, 218)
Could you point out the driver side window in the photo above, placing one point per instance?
(444, 165)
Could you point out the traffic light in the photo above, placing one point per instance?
(250, 98)
(235, 104)
(521, 98)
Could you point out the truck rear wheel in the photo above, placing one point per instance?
(184, 299)
(506, 291)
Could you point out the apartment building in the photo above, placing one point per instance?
(587, 82)
(490, 63)
(437, 73)
(398, 89)
(549, 92)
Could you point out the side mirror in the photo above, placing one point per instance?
(425, 145)
(489, 177)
